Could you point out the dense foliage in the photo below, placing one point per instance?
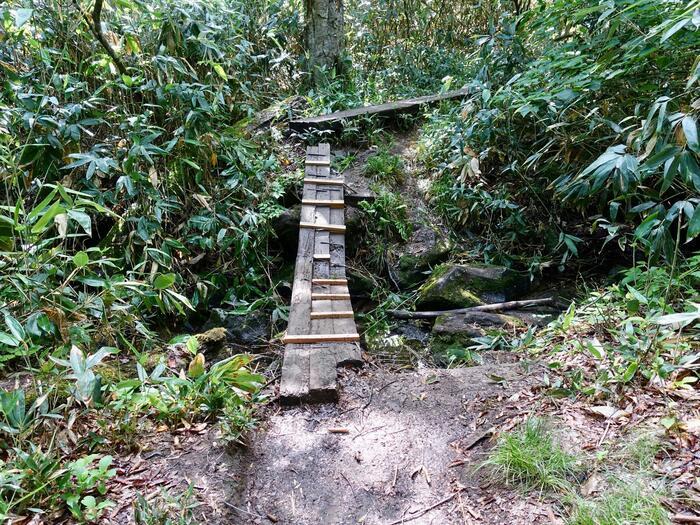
(578, 107)
(139, 191)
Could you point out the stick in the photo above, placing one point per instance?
(686, 518)
(495, 307)
(95, 26)
(427, 509)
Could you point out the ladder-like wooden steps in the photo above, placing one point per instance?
(321, 333)
(335, 120)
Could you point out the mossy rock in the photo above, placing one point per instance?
(426, 248)
(247, 329)
(463, 329)
(465, 285)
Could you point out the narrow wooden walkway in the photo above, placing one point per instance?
(321, 334)
(335, 120)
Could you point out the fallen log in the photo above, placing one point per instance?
(495, 307)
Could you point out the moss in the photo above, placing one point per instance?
(460, 286)
(446, 292)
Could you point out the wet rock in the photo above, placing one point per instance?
(247, 329)
(359, 282)
(465, 285)
(212, 340)
(286, 228)
(355, 229)
(461, 329)
(426, 247)
(405, 345)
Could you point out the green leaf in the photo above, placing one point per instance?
(674, 29)
(83, 219)
(164, 281)
(629, 373)
(41, 224)
(15, 327)
(220, 71)
(690, 129)
(81, 259)
(22, 16)
(7, 339)
(694, 224)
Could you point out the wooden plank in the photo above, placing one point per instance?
(323, 376)
(324, 202)
(346, 354)
(294, 385)
(332, 315)
(329, 296)
(336, 228)
(334, 120)
(320, 338)
(328, 182)
(329, 281)
(321, 334)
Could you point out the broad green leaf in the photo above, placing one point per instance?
(83, 219)
(220, 71)
(42, 224)
(15, 327)
(694, 224)
(7, 339)
(690, 129)
(674, 29)
(164, 281)
(81, 259)
(22, 16)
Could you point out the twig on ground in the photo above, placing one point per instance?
(427, 509)
(495, 307)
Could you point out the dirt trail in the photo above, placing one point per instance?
(396, 449)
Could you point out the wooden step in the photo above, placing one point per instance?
(332, 315)
(320, 338)
(329, 182)
(333, 228)
(332, 282)
(321, 202)
(330, 296)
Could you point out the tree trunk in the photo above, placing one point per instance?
(324, 35)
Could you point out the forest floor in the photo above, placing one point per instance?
(404, 444)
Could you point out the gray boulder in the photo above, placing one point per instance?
(465, 285)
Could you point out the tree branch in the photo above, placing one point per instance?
(495, 307)
(95, 25)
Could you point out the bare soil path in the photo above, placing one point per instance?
(398, 448)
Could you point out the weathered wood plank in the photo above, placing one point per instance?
(332, 315)
(324, 202)
(294, 385)
(321, 334)
(329, 281)
(323, 375)
(335, 228)
(327, 182)
(329, 296)
(334, 120)
(321, 338)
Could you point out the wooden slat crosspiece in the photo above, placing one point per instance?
(321, 333)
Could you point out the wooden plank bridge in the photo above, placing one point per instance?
(335, 120)
(321, 333)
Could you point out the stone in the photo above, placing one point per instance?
(426, 247)
(286, 228)
(461, 330)
(247, 329)
(213, 339)
(466, 285)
